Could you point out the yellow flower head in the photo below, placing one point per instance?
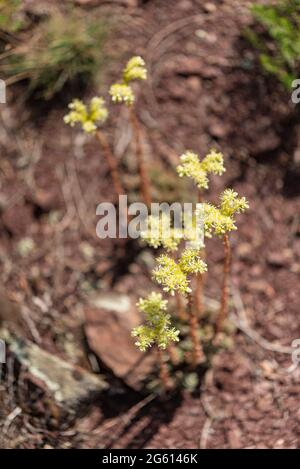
(192, 167)
(152, 304)
(87, 116)
(191, 263)
(215, 223)
(231, 203)
(160, 233)
(220, 220)
(170, 275)
(135, 70)
(157, 328)
(213, 162)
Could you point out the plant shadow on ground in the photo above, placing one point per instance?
(148, 420)
(129, 409)
(145, 423)
(38, 107)
(138, 416)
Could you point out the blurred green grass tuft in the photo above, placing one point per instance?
(278, 41)
(62, 48)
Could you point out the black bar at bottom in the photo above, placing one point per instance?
(137, 458)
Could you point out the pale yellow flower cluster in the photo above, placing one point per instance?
(122, 92)
(89, 116)
(157, 329)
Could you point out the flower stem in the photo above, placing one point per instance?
(144, 180)
(180, 307)
(197, 354)
(224, 299)
(199, 295)
(112, 163)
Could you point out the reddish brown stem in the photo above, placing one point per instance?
(224, 299)
(144, 180)
(180, 307)
(163, 370)
(197, 353)
(112, 163)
